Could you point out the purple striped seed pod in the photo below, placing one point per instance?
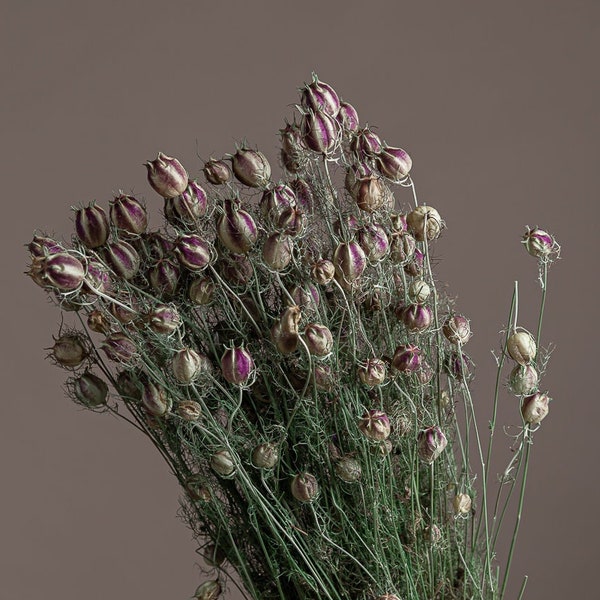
(97, 278)
(304, 487)
(119, 348)
(365, 143)
(157, 246)
(305, 200)
(155, 399)
(122, 258)
(416, 317)
(202, 291)
(373, 372)
(458, 365)
(275, 201)
(123, 313)
(371, 193)
(193, 252)
(164, 277)
(539, 243)
(237, 365)
(350, 261)
(164, 319)
(216, 171)
(424, 222)
(89, 390)
(374, 241)
(42, 246)
(535, 408)
(348, 225)
(92, 226)
(348, 117)
(251, 167)
(61, 271)
(70, 350)
(236, 229)
(186, 209)
(356, 172)
(407, 358)
(277, 251)
(393, 163)
(430, 443)
(128, 215)
(375, 425)
(167, 176)
(237, 269)
(318, 95)
(320, 132)
(457, 330)
(523, 380)
(402, 248)
(414, 266)
(293, 154)
(292, 221)
(306, 296)
(323, 271)
(318, 339)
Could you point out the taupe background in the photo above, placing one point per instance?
(497, 104)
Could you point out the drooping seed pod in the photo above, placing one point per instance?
(70, 350)
(202, 291)
(348, 117)
(374, 241)
(128, 215)
(414, 266)
(323, 271)
(89, 390)
(304, 487)
(348, 469)
(305, 200)
(119, 348)
(163, 319)
(318, 339)
(306, 296)
(424, 222)
(277, 251)
(373, 372)
(251, 167)
(407, 358)
(350, 261)
(91, 225)
(535, 408)
(193, 252)
(164, 277)
(42, 246)
(265, 456)
(155, 399)
(431, 443)
(416, 317)
(393, 163)
(237, 365)
(375, 425)
(189, 411)
(209, 590)
(521, 347)
(458, 365)
(418, 291)
(366, 144)
(122, 312)
(275, 200)
(167, 176)
(122, 258)
(462, 504)
(457, 330)
(223, 464)
(216, 171)
(318, 95)
(539, 243)
(320, 132)
(293, 154)
(96, 321)
(60, 271)
(236, 229)
(292, 221)
(402, 248)
(371, 193)
(285, 332)
(523, 380)
(186, 365)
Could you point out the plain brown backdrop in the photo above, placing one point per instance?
(496, 102)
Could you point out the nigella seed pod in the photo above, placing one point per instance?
(522, 347)
(523, 380)
(425, 372)
(318, 95)
(97, 278)
(365, 143)
(189, 411)
(119, 348)
(381, 449)
(129, 386)
(194, 195)
(418, 291)
(265, 456)
(375, 425)
(346, 226)
(292, 221)
(323, 271)
(61, 271)
(431, 443)
(237, 269)
(197, 488)
(348, 469)
(186, 365)
(216, 171)
(350, 261)
(42, 246)
(539, 243)
(209, 590)
(164, 319)
(402, 248)
(285, 332)
(155, 399)
(424, 222)
(167, 176)
(356, 172)
(416, 317)
(348, 117)
(457, 330)
(91, 226)
(122, 258)
(96, 321)
(202, 291)
(414, 266)
(535, 408)
(407, 358)
(123, 313)
(374, 241)
(223, 464)
(277, 251)
(393, 163)
(371, 193)
(306, 297)
(458, 365)
(89, 390)
(373, 372)
(70, 350)
(398, 223)
(251, 167)
(193, 252)
(320, 132)
(304, 487)
(293, 153)
(184, 211)
(276, 200)
(324, 378)
(157, 246)
(128, 215)
(462, 503)
(237, 365)
(236, 229)
(305, 200)
(164, 277)
(318, 339)
(213, 556)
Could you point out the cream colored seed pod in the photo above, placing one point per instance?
(419, 291)
(521, 347)
(424, 222)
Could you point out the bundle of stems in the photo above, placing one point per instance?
(286, 348)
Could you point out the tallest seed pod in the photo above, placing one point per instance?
(167, 176)
(320, 131)
(320, 96)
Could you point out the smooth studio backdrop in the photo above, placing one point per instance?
(497, 103)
